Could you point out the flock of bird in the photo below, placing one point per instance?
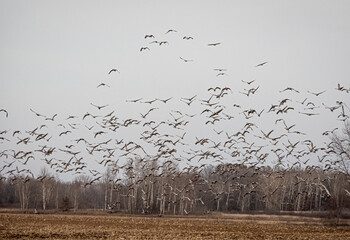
(229, 133)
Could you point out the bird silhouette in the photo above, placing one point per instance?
(99, 107)
(170, 30)
(317, 94)
(250, 82)
(3, 110)
(289, 89)
(165, 100)
(186, 60)
(113, 70)
(214, 44)
(163, 42)
(37, 114)
(261, 64)
(144, 48)
(309, 114)
(52, 119)
(103, 85)
(134, 100)
(221, 74)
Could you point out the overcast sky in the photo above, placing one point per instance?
(54, 54)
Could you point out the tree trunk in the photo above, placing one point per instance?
(43, 185)
(218, 204)
(151, 202)
(228, 197)
(106, 195)
(111, 194)
(57, 197)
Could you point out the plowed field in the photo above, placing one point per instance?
(59, 226)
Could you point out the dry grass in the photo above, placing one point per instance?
(69, 226)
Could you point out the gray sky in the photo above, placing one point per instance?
(54, 54)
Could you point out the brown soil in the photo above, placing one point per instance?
(67, 226)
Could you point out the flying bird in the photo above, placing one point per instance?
(186, 60)
(134, 100)
(99, 107)
(261, 64)
(170, 30)
(341, 88)
(149, 36)
(309, 114)
(144, 48)
(113, 70)
(71, 117)
(98, 133)
(221, 74)
(164, 100)
(150, 101)
(37, 114)
(289, 89)
(317, 94)
(250, 82)
(163, 42)
(52, 118)
(103, 85)
(3, 110)
(213, 44)
(64, 133)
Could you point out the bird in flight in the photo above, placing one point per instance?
(113, 70)
(154, 42)
(144, 48)
(3, 110)
(99, 107)
(170, 30)
(37, 114)
(261, 64)
(187, 38)
(134, 100)
(164, 100)
(289, 89)
(103, 85)
(186, 60)
(317, 94)
(53, 117)
(64, 133)
(163, 42)
(250, 82)
(150, 101)
(221, 74)
(341, 88)
(213, 44)
(309, 114)
(149, 36)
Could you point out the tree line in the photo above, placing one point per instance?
(224, 187)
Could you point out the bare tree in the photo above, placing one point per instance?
(340, 144)
(47, 186)
(23, 188)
